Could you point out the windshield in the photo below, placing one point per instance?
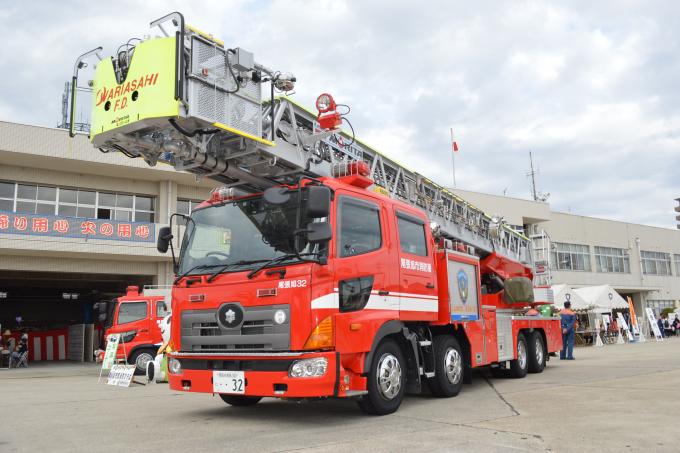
(242, 233)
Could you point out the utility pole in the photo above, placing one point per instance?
(532, 173)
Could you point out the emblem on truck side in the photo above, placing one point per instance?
(462, 285)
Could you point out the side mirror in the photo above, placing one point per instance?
(164, 238)
(318, 202)
(319, 232)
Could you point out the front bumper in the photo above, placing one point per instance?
(265, 374)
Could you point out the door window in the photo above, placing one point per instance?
(359, 227)
(131, 311)
(411, 235)
(161, 309)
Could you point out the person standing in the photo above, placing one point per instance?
(659, 322)
(568, 321)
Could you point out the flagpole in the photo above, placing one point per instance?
(453, 160)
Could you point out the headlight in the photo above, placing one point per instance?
(308, 368)
(280, 317)
(174, 366)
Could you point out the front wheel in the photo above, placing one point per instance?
(385, 380)
(240, 400)
(140, 359)
(449, 367)
(520, 366)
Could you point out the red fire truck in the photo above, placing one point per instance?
(323, 268)
(136, 317)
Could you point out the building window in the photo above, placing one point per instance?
(659, 305)
(656, 263)
(67, 202)
(677, 264)
(185, 207)
(610, 259)
(125, 207)
(571, 257)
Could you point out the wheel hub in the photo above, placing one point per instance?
(539, 351)
(453, 365)
(389, 376)
(522, 354)
(142, 360)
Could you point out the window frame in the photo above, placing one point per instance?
(120, 307)
(59, 205)
(650, 257)
(362, 203)
(609, 255)
(571, 252)
(407, 217)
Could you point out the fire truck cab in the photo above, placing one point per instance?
(328, 289)
(136, 317)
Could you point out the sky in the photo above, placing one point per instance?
(592, 89)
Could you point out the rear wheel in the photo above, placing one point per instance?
(240, 400)
(536, 353)
(520, 366)
(386, 380)
(140, 359)
(449, 367)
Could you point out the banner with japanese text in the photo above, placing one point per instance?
(72, 227)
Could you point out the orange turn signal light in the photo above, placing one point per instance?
(322, 335)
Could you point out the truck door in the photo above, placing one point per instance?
(362, 265)
(417, 280)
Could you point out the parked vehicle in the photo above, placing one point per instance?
(137, 317)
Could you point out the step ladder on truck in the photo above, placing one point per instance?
(322, 268)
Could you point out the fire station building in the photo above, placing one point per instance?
(639, 261)
(78, 226)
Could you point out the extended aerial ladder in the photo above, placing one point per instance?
(184, 99)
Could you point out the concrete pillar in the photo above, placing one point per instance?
(167, 201)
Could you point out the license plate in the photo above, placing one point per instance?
(229, 382)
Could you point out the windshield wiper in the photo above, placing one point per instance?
(279, 259)
(227, 266)
(195, 268)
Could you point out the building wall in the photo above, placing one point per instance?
(49, 157)
(574, 229)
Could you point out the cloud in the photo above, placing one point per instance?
(588, 87)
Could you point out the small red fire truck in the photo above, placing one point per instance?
(323, 268)
(136, 317)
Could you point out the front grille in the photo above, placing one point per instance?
(202, 333)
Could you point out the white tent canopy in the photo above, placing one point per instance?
(602, 296)
(563, 293)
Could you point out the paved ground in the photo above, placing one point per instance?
(617, 398)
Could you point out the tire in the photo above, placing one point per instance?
(386, 380)
(449, 367)
(520, 366)
(140, 358)
(240, 400)
(498, 372)
(536, 352)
